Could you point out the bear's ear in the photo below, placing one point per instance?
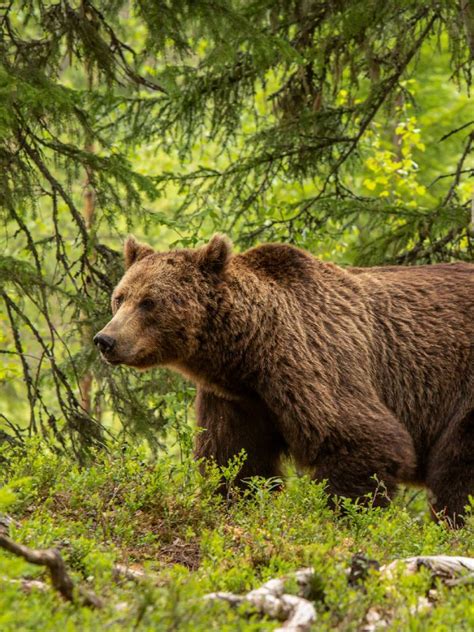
(134, 250)
(215, 255)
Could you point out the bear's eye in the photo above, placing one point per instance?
(118, 300)
(147, 303)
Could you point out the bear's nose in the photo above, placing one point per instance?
(105, 343)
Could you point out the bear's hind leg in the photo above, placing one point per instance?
(450, 471)
(228, 426)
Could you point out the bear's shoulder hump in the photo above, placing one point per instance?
(279, 261)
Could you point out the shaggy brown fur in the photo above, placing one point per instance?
(352, 372)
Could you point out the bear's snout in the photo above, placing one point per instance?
(104, 343)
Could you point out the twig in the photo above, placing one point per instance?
(120, 571)
(459, 169)
(26, 585)
(455, 131)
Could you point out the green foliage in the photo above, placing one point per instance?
(166, 518)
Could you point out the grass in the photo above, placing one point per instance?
(164, 517)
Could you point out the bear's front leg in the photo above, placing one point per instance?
(228, 426)
(368, 458)
(345, 435)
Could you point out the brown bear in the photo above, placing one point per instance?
(358, 374)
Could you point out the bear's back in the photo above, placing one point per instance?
(442, 287)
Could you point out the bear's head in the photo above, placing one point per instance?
(161, 305)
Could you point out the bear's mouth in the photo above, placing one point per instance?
(137, 363)
(112, 362)
(110, 359)
(142, 360)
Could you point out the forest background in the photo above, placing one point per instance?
(343, 127)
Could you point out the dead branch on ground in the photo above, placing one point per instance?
(297, 613)
(53, 561)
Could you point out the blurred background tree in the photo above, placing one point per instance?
(344, 127)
